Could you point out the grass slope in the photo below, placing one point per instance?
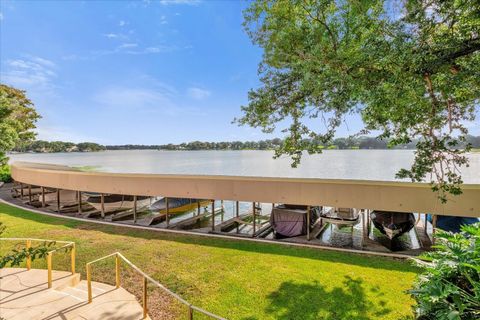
(235, 279)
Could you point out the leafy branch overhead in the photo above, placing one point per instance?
(17, 119)
(411, 69)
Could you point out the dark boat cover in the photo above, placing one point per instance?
(291, 220)
(393, 224)
(451, 223)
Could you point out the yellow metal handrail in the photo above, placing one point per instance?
(28, 244)
(146, 278)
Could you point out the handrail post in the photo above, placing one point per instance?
(49, 269)
(145, 313)
(190, 312)
(117, 271)
(89, 282)
(29, 258)
(72, 258)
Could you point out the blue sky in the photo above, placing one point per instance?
(118, 72)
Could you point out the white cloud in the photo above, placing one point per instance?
(121, 23)
(163, 20)
(144, 100)
(149, 97)
(174, 2)
(147, 50)
(29, 73)
(44, 62)
(111, 35)
(56, 133)
(1, 16)
(198, 94)
(128, 45)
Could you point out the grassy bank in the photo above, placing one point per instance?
(235, 279)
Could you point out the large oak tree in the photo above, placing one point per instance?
(410, 68)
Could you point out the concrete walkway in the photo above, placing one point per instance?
(25, 295)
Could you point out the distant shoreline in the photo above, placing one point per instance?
(350, 143)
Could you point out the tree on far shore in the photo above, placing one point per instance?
(410, 68)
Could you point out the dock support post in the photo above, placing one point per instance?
(168, 211)
(134, 209)
(254, 214)
(79, 195)
(58, 200)
(425, 224)
(30, 194)
(223, 209)
(43, 197)
(102, 205)
(21, 191)
(308, 223)
(198, 207)
(365, 225)
(434, 227)
(213, 215)
(237, 213)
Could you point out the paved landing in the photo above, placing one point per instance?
(25, 295)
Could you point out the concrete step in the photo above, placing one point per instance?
(25, 295)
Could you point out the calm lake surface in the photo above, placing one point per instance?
(332, 164)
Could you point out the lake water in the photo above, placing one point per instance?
(332, 164)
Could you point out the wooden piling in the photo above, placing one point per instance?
(21, 191)
(254, 219)
(237, 213)
(168, 211)
(79, 195)
(30, 194)
(308, 223)
(58, 200)
(213, 215)
(434, 227)
(425, 224)
(102, 205)
(43, 197)
(134, 209)
(223, 210)
(198, 207)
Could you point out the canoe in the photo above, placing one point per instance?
(451, 223)
(116, 202)
(177, 205)
(393, 224)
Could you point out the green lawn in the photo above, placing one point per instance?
(235, 279)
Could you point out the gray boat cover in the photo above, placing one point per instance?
(291, 222)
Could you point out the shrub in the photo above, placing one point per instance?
(5, 174)
(450, 286)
